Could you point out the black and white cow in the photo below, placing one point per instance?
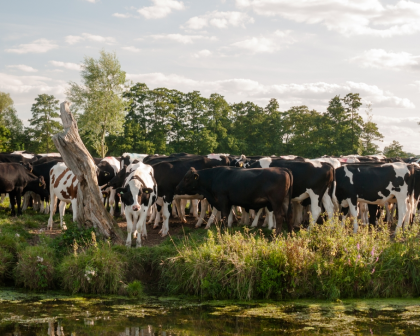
(376, 184)
(14, 178)
(255, 189)
(138, 193)
(314, 180)
(169, 174)
(128, 158)
(108, 168)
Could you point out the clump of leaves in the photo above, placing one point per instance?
(35, 268)
(6, 264)
(64, 243)
(135, 289)
(95, 268)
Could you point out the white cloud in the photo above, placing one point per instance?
(66, 65)
(24, 89)
(37, 46)
(71, 39)
(219, 20)
(92, 1)
(132, 49)
(185, 39)
(315, 95)
(202, 53)
(347, 17)
(161, 8)
(122, 16)
(381, 59)
(417, 83)
(267, 44)
(23, 67)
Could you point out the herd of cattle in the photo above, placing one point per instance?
(289, 189)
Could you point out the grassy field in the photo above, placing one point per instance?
(329, 262)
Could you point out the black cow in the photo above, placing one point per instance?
(375, 184)
(104, 173)
(8, 158)
(224, 187)
(169, 174)
(313, 180)
(13, 179)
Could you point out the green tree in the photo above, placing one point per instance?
(100, 99)
(5, 102)
(370, 133)
(15, 125)
(42, 125)
(395, 149)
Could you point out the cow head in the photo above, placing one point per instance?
(28, 166)
(134, 193)
(104, 173)
(41, 182)
(189, 183)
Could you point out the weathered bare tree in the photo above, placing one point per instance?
(90, 209)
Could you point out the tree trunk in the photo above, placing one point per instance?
(90, 209)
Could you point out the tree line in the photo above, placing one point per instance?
(115, 116)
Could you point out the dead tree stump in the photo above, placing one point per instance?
(90, 210)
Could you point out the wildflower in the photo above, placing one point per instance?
(373, 271)
(377, 258)
(373, 251)
(358, 256)
(349, 262)
(345, 249)
(358, 246)
(39, 259)
(17, 235)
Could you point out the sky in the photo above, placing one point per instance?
(301, 52)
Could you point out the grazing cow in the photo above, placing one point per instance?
(63, 186)
(375, 184)
(17, 158)
(128, 158)
(108, 169)
(169, 174)
(224, 187)
(44, 171)
(314, 180)
(14, 178)
(138, 194)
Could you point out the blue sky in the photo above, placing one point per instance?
(302, 52)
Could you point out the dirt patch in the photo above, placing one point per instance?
(176, 229)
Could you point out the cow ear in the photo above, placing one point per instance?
(241, 165)
(195, 176)
(147, 190)
(120, 191)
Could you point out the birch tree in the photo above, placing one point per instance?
(99, 100)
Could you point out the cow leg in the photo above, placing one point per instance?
(112, 202)
(257, 217)
(153, 214)
(2, 198)
(402, 211)
(62, 210)
(174, 209)
(246, 217)
(26, 197)
(270, 220)
(159, 204)
(230, 218)
(266, 218)
(328, 205)
(165, 226)
(129, 218)
(12, 197)
(212, 218)
(251, 214)
(194, 204)
(202, 213)
(297, 214)
(353, 214)
(373, 209)
(315, 206)
(141, 227)
(53, 207)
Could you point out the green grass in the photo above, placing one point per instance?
(329, 262)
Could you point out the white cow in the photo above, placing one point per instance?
(128, 158)
(63, 186)
(138, 193)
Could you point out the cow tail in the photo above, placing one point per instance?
(332, 190)
(289, 208)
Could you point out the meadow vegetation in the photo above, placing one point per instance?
(328, 262)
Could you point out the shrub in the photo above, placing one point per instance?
(35, 268)
(327, 262)
(64, 243)
(135, 289)
(97, 269)
(6, 264)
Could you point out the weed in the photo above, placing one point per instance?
(135, 289)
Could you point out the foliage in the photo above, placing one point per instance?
(5, 102)
(329, 262)
(35, 268)
(73, 235)
(370, 133)
(16, 140)
(6, 263)
(42, 125)
(395, 149)
(96, 269)
(100, 99)
(135, 289)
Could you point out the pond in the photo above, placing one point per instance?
(57, 314)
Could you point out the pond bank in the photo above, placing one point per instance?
(55, 313)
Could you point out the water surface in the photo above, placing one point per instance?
(57, 314)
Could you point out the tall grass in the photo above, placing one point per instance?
(327, 262)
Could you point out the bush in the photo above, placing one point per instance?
(6, 264)
(64, 243)
(35, 268)
(327, 262)
(135, 289)
(97, 269)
